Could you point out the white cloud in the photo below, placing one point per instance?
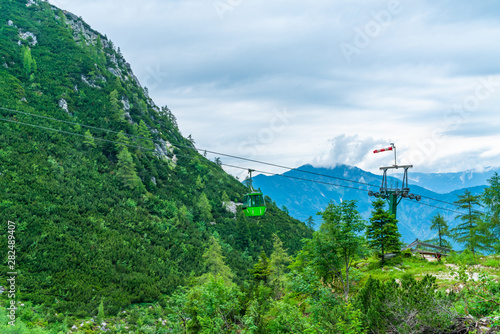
(350, 150)
(225, 78)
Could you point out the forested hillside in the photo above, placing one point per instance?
(120, 216)
(113, 222)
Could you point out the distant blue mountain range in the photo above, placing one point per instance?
(304, 199)
(447, 182)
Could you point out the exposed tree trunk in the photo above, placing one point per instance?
(439, 231)
(470, 231)
(346, 289)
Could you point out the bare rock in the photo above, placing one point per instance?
(27, 35)
(126, 104)
(162, 149)
(114, 72)
(63, 104)
(231, 206)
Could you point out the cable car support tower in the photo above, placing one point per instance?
(394, 195)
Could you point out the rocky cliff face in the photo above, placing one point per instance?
(118, 67)
(83, 33)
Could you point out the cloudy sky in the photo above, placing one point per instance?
(323, 81)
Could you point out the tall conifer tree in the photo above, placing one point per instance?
(278, 263)
(261, 270)
(29, 64)
(89, 139)
(491, 198)
(334, 246)
(146, 140)
(116, 112)
(215, 264)
(382, 233)
(310, 222)
(122, 140)
(205, 208)
(472, 232)
(126, 170)
(440, 225)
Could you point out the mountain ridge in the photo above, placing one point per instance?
(304, 199)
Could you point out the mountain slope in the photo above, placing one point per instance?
(304, 199)
(82, 234)
(448, 182)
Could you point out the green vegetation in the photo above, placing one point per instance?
(102, 221)
(441, 226)
(491, 199)
(408, 306)
(471, 231)
(383, 233)
(333, 248)
(116, 233)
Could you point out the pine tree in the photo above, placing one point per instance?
(439, 224)
(126, 170)
(205, 208)
(115, 110)
(491, 198)
(143, 106)
(199, 183)
(100, 312)
(170, 117)
(29, 63)
(99, 56)
(329, 255)
(278, 263)
(183, 216)
(146, 140)
(225, 198)
(340, 230)
(226, 201)
(190, 140)
(122, 141)
(310, 222)
(214, 263)
(89, 139)
(98, 44)
(261, 270)
(472, 231)
(382, 233)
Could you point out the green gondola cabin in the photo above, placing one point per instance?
(254, 204)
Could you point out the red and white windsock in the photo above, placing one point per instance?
(383, 149)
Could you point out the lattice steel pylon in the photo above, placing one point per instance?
(394, 195)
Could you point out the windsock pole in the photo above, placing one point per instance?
(390, 148)
(394, 146)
